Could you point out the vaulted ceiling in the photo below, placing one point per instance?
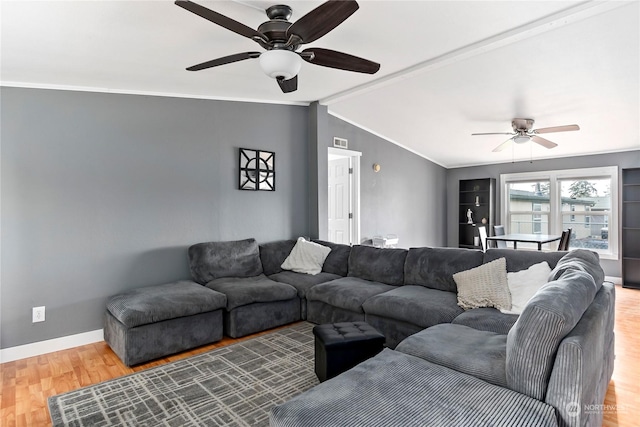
(448, 68)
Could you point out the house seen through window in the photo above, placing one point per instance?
(549, 202)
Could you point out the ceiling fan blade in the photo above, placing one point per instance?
(221, 20)
(493, 133)
(339, 60)
(544, 142)
(287, 86)
(503, 145)
(322, 19)
(552, 129)
(224, 60)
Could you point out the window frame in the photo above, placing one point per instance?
(536, 218)
(555, 214)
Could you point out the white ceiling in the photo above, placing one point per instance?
(448, 68)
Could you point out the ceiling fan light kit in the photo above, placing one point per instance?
(280, 64)
(523, 132)
(521, 139)
(281, 39)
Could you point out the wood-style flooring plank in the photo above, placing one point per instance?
(27, 383)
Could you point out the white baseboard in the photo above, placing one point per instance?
(613, 279)
(42, 347)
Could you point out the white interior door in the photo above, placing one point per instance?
(344, 196)
(339, 200)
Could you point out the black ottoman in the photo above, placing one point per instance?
(341, 346)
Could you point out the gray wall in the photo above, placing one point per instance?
(628, 159)
(104, 192)
(408, 195)
(318, 175)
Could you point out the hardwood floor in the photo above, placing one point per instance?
(27, 383)
(622, 402)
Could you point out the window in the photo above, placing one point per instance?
(537, 218)
(549, 202)
(528, 207)
(590, 211)
(587, 218)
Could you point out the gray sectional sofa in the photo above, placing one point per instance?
(549, 366)
(443, 365)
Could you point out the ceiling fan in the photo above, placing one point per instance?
(522, 133)
(281, 39)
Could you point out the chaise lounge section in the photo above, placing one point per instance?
(548, 369)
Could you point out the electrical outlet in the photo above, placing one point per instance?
(38, 314)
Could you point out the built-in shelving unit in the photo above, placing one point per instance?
(631, 228)
(479, 196)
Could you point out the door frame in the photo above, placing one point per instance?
(354, 189)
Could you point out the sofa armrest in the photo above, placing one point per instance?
(481, 354)
(584, 363)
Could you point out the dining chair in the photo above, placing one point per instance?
(482, 231)
(564, 240)
(498, 230)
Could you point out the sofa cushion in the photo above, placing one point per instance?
(378, 264)
(435, 267)
(153, 304)
(396, 389)
(212, 260)
(273, 254)
(248, 290)
(337, 261)
(487, 319)
(533, 340)
(471, 351)
(484, 286)
(302, 282)
(306, 257)
(348, 293)
(524, 284)
(583, 260)
(414, 304)
(522, 259)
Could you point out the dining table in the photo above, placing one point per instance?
(539, 239)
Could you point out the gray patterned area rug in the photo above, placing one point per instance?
(230, 386)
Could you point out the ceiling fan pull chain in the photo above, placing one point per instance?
(530, 151)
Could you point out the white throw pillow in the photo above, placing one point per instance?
(306, 257)
(524, 284)
(484, 286)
